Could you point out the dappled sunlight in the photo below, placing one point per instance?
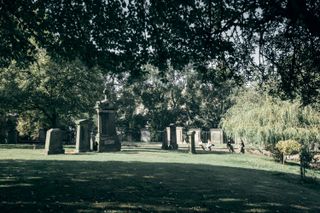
(88, 186)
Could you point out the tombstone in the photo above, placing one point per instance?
(179, 132)
(216, 136)
(168, 134)
(197, 135)
(173, 137)
(93, 142)
(54, 142)
(164, 140)
(106, 137)
(192, 147)
(145, 135)
(83, 135)
(12, 133)
(42, 136)
(3, 131)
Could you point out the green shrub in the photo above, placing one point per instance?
(288, 147)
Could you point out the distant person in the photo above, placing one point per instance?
(242, 147)
(209, 145)
(229, 146)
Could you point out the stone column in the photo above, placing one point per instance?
(83, 135)
(106, 137)
(191, 135)
(173, 137)
(197, 135)
(54, 142)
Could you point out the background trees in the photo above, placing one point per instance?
(214, 44)
(260, 118)
(50, 93)
(122, 36)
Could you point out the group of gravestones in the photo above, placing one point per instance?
(173, 136)
(105, 139)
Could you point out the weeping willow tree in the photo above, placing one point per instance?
(261, 119)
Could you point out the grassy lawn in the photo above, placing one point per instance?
(147, 179)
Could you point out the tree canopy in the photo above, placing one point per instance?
(123, 35)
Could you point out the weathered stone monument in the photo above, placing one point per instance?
(3, 131)
(145, 135)
(179, 132)
(83, 135)
(164, 140)
(173, 137)
(106, 138)
(42, 135)
(191, 138)
(54, 142)
(197, 135)
(216, 136)
(12, 133)
(168, 134)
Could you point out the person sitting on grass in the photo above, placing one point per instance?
(206, 147)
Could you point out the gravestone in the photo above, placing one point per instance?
(83, 135)
(191, 138)
(164, 140)
(179, 132)
(145, 135)
(106, 137)
(54, 142)
(42, 135)
(168, 134)
(12, 133)
(173, 137)
(3, 131)
(197, 135)
(216, 136)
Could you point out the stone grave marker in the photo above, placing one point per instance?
(54, 142)
(145, 135)
(216, 136)
(179, 132)
(197, 135)
(83, 135)
(173, 137)
(106, 137)
(42, 135)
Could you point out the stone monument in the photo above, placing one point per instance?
(173, 137)
(12, 133)
(106, 138)
(54, 142)
(192, 146)
(83, 135)
(216, 136)
(145, 135)
(179, 132)
(197, 135)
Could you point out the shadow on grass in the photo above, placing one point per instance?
(82, 186)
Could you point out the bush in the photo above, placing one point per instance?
(288, 147)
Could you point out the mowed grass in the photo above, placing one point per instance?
(148, 179)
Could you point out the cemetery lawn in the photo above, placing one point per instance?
(144, 178)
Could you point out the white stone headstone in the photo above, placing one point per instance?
(145, 135)
(216, 136)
